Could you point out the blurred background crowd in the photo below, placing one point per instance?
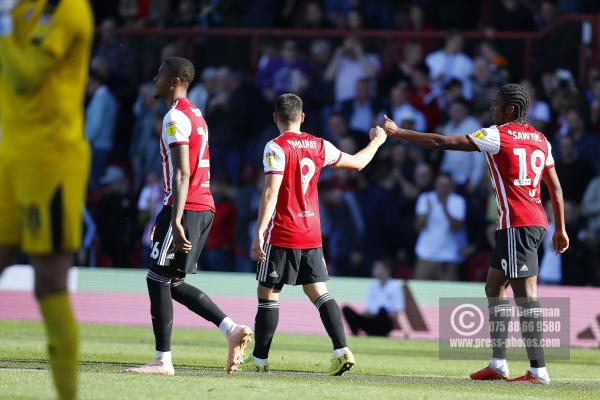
(429, 214)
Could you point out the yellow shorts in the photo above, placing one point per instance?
(41, 204)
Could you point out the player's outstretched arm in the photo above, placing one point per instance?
(266, 209)
(429, 140)
(361, 159)
(560, 240)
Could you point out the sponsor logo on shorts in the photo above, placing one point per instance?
(524, 268)
(274, 274)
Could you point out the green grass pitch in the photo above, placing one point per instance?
(386, 369)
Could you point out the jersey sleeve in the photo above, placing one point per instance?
(59, 25)
(486, 139)
(177, 127)
(273, 159)
(549, 157)
(332, 154)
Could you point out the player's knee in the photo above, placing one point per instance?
(315, 290)
(267, 293)
(493, 290)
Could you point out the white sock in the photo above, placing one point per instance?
(499, 364)
(339, 352)
(260, 361)
(541, 372)
(226, 325)
(164, 356)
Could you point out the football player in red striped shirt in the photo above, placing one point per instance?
(287, 241)
(183, 225)
(519, 158)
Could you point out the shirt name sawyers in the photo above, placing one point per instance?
(303, 144)
(525, 135)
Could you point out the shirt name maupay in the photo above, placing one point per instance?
(525, 135)
(302, 144)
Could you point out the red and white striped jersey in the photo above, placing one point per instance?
(299, 157)
(185, 125)
(517, 156)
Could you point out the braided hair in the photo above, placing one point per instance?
(516, 95)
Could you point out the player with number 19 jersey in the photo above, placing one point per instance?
(184, 124)
(299, 157)
(517, 155)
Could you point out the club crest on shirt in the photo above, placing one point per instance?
(171, 129)
(480, 134)
(270, 158)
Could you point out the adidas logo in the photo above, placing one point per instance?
(171, 256)
(524, 268)
(274, 274)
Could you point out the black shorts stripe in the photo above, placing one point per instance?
(56, 220)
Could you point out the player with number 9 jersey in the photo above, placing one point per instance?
(299, 157)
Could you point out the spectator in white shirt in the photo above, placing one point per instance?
(404, 114)
(348, 65)
(466, 168)
(450, 62)
(440, 217)
(383, 303)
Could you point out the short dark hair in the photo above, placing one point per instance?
(181, 68)
(288, 107)
(516, 95)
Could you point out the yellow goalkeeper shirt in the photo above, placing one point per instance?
(46, 124)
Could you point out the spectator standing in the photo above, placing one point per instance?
(465, 168)
(116, 218)
(402, 111)
(348, 65)
(440, 216)
(574, 173)
(590, 208)
(361, 111)
(100, 118)
(450, 62)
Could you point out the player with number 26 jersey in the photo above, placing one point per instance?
(299, 157)
(184, 124)
(517, 155)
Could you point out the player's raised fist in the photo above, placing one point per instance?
(378, 134)
(389, 126)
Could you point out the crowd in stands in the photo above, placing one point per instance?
(429, 214)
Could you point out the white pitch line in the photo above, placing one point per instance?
(353, 374)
